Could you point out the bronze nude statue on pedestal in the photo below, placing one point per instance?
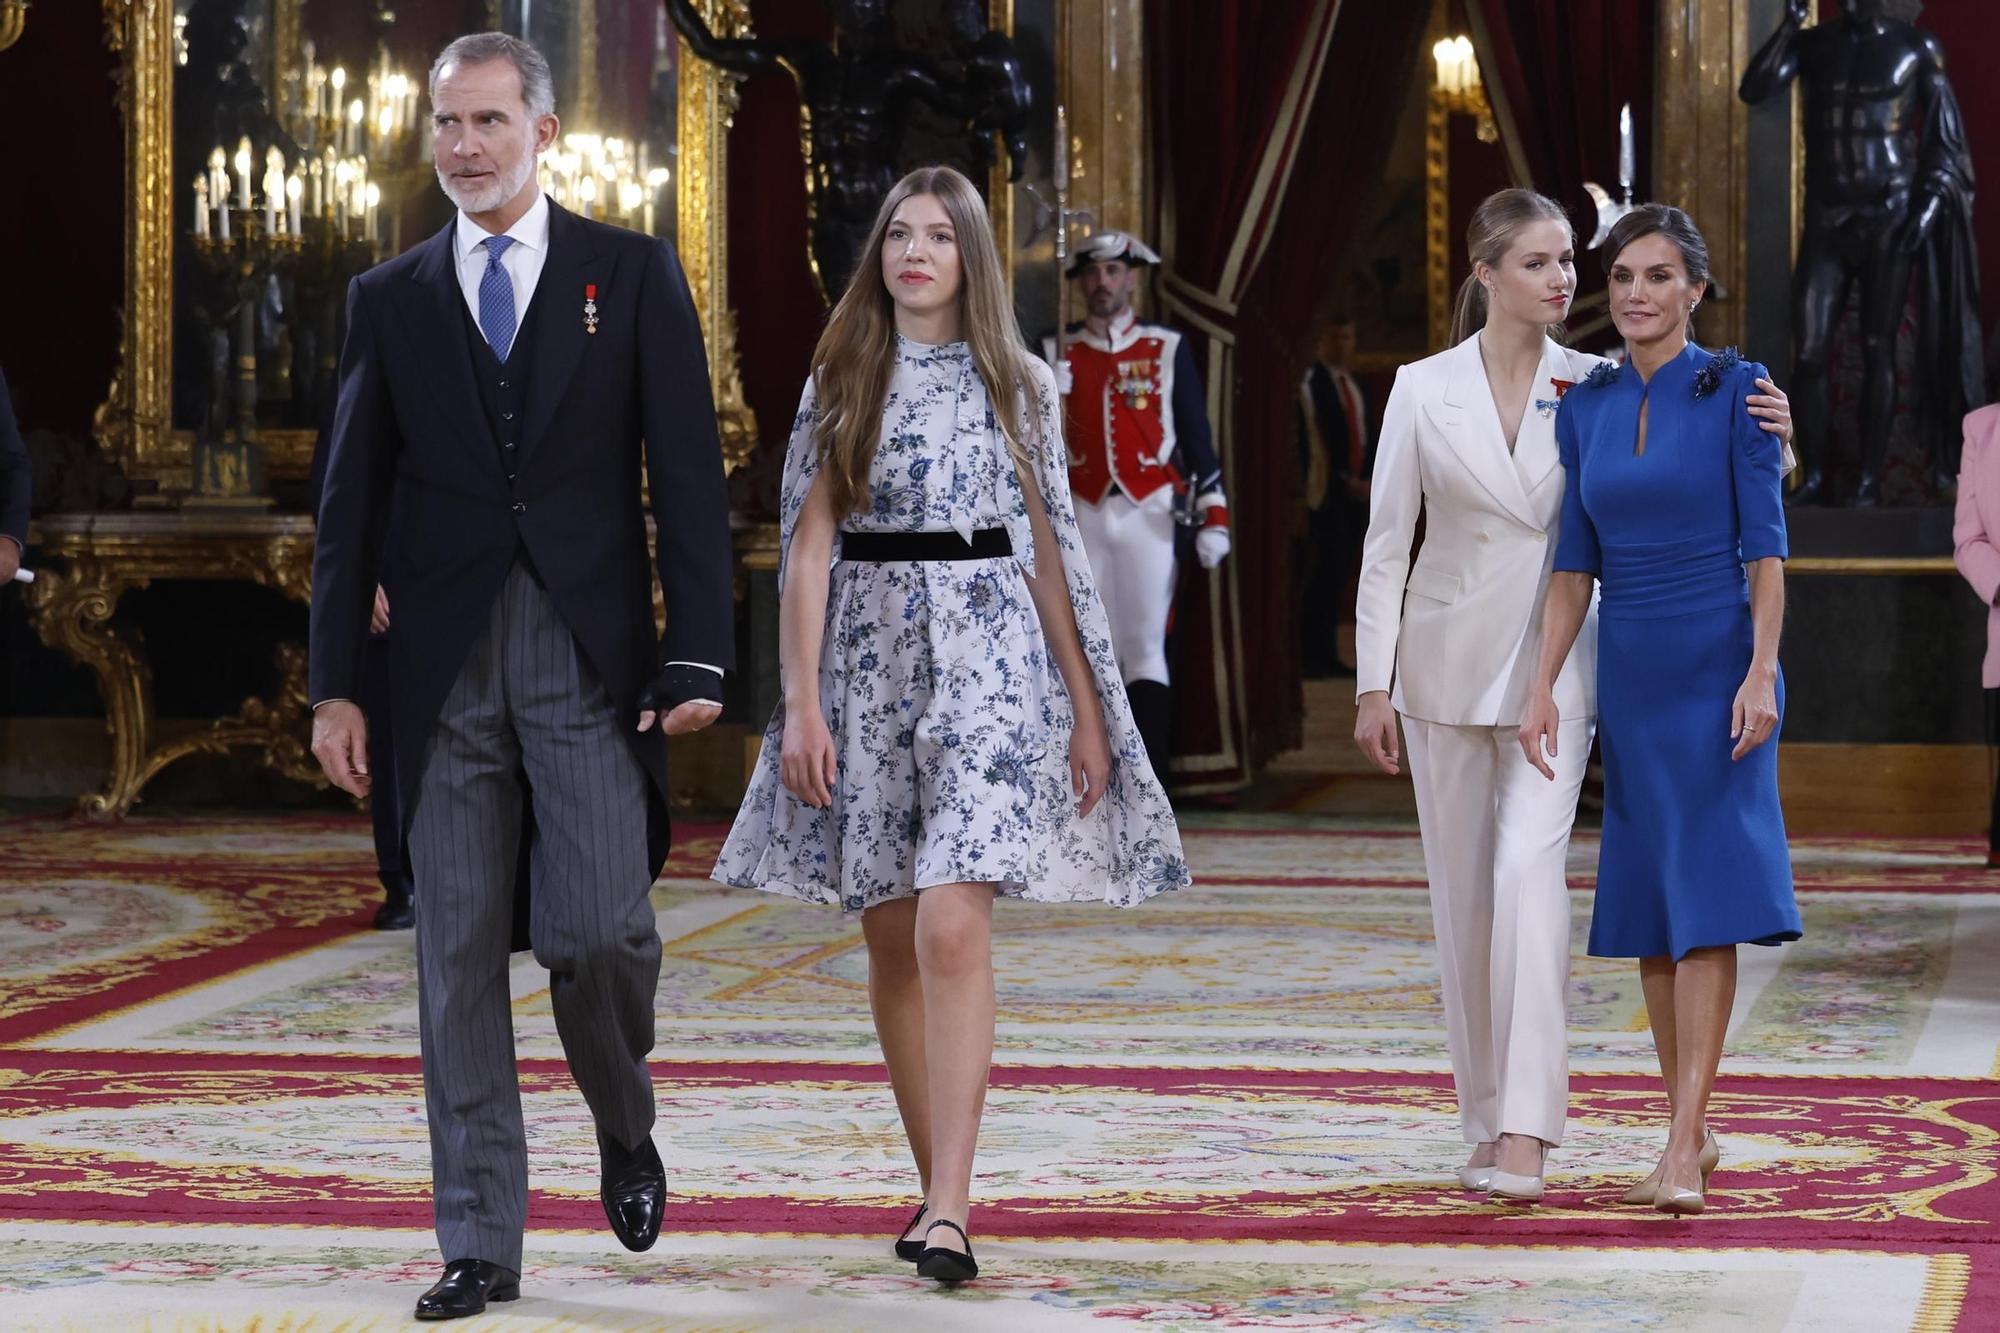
(853, 97)
(1888, 196)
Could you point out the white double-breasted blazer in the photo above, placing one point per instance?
(1454, 635)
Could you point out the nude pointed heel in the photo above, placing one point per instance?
(1643, 1194)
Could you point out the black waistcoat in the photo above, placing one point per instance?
(503, 386)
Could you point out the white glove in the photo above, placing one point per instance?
(1065, 381)
(1210, 545)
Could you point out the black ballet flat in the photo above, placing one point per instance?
(947, 1265)
(911, 1250)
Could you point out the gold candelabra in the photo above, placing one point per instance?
(240, 252)
(13, 18)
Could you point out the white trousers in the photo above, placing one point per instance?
(1496, 834)
(1131, 550)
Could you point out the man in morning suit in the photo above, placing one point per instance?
(16, 476)
(498, 381)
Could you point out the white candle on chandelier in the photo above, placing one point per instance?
(336, 93)
(586, 193)
(354, 114)
(201, 207)
(218, 186)
(243, 172)
(294, 191)
(343, 184)
(274, 188)
(374, 202)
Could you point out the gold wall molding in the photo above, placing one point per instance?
(1100, 68)
(134, 423)
(1700, 138)
(1437, 216)
(1876, 565)
(707, 102)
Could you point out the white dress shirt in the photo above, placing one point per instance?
(523, 262)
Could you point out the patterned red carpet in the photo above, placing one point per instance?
(209, 1108)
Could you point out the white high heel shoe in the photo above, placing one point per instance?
(1507, 1187)
(1476, 1179)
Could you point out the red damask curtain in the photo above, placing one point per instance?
(1273, 119)
(1556, 76)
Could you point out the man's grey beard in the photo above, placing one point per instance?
(477, 199)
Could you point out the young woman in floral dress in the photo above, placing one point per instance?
(953, 726)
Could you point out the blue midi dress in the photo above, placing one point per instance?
(1694, 851)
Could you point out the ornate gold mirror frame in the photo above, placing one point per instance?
(135, 423)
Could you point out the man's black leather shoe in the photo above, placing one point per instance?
(465, 1288)
(634, 1191)
(397, 911)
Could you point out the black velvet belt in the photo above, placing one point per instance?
(986, 544)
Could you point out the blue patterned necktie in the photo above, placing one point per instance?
(496, 298)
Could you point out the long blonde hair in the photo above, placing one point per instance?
(1494, 224)
(851, 364)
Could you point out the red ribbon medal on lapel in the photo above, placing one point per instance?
(590, 307)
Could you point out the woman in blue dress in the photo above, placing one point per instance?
(1674, 509)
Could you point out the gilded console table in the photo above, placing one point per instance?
(87, 562)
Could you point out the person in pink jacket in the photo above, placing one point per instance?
(1975, 536)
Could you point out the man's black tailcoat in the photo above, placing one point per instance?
(558, 486)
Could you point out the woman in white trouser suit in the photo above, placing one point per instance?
(1449, 642)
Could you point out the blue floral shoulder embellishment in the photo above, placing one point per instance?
(1709, 377)
(1601, 375)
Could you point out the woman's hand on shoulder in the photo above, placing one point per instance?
(1375, 731)
(807, 764)
(1539, 725)
(1771, 408)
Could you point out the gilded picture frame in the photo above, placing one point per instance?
(134, 424)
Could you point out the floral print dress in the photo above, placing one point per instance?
(950, 720)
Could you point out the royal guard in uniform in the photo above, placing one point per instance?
(1142, 467)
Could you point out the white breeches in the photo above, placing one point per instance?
(1131, 550)
(1496, 834)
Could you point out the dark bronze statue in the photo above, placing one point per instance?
(1888, 196)
(854, 98)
